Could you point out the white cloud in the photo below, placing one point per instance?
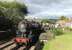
(61, 7)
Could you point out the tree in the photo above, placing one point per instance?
(64, 18)
(45, 21)
(13, 11)
(51, 21)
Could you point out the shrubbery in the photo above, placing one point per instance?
(68, 28)
(57, 31)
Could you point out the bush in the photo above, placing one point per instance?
(58, 31)
(68, 28)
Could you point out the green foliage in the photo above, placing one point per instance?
(52, 21)
(45, 20)
(14, 11)
(68, 28)
(58, 31)
(64, 18)
(12, 5)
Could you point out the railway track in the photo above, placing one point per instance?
(12, 46)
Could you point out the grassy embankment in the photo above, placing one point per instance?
(61, 42)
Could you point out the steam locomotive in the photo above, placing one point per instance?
(28, 33)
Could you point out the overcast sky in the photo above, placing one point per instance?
(49, 7)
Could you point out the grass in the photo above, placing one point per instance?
(62, 42)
